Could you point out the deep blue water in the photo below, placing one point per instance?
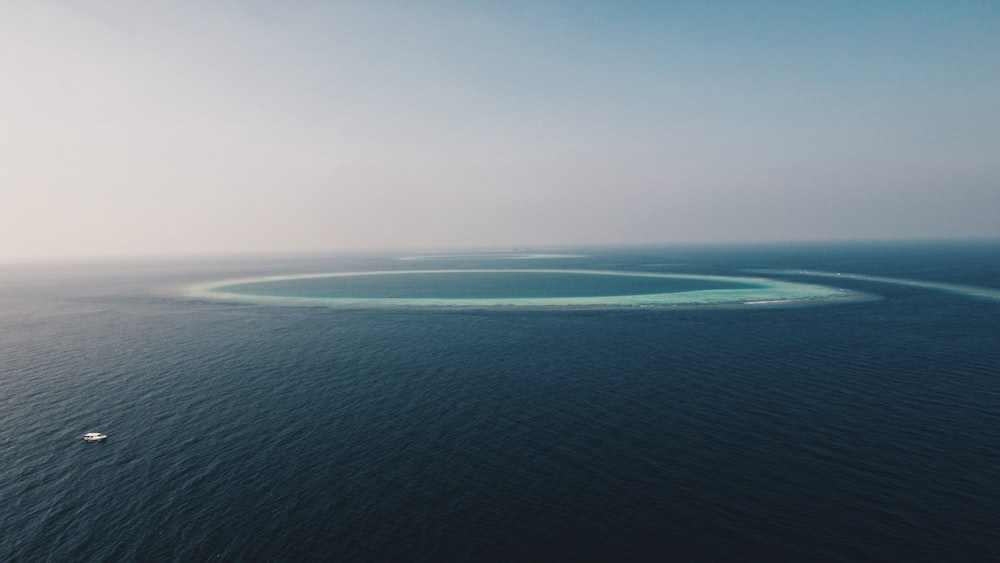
(848, 431)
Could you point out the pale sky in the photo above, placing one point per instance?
(190, 127)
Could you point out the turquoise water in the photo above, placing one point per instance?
(514, 287)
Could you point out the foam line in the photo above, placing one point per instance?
(978, 292)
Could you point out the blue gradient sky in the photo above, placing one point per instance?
(210, 127)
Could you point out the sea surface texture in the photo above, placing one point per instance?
(855, 429)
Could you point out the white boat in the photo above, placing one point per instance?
(94, 437)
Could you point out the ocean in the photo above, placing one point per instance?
(853, 425)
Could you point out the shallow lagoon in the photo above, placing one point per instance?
(513, 287)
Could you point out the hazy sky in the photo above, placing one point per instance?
(152, 127)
